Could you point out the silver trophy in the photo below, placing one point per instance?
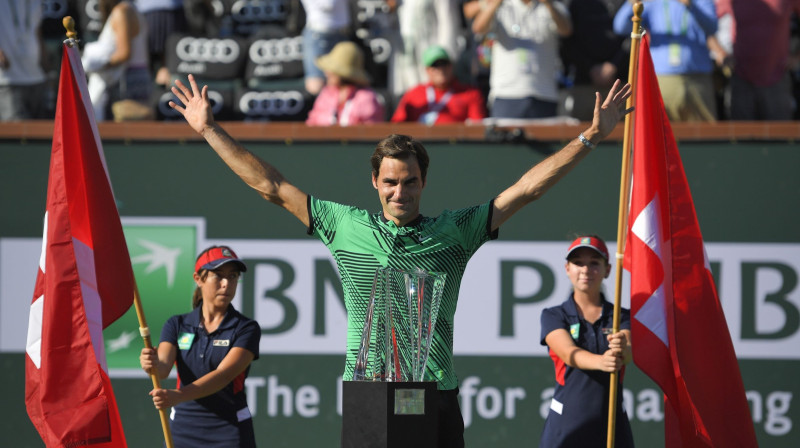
(399, 325)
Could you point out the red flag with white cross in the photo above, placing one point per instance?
(85, 282)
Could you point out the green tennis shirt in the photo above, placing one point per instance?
(361, 243)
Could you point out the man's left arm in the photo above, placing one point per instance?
(534, 183)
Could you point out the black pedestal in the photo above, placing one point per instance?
(388, 415)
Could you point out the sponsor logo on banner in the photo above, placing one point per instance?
(381, 50)
(223, 51)
(249, 15)
(293, 290)
(367, 9)
(214, 97)
(266, 51)
(163, 253)
(271, 104)
(279, 57)
(91, 10)
(206, 58)
(54, 9)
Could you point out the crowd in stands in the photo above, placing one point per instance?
(345, 62)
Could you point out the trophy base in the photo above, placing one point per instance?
(387, 415)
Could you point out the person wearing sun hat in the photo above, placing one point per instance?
(327, 22)
(346, 99)
(213, 347)
(443, 99)
(585, 352)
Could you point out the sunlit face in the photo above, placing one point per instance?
(332, 79)
(219, 286)
(399, 184)
(586, 270)
(440, 73)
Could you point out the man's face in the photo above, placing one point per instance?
(399, 184)
(440, 74)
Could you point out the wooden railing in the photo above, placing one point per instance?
(298, 132)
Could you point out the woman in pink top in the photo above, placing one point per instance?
(346, 98)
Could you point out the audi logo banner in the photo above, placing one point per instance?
(221, 99)
(207, 58)
(249, 16)
(89, 20)
(276, 105)
(278, 58)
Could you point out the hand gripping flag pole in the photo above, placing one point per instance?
(144, 331)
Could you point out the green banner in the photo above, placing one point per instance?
(163, 258)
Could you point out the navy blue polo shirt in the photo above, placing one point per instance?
(579, 410)
(215, 419)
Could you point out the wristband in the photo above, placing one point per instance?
(586, 142)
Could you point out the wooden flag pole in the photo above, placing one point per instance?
(72, 35)
(624, 193)
(144, 330)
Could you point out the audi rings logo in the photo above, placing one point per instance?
(163, 103)
(381, 50)
(368, 8)
(287, 49)
(247, 11)
(54, 9)
(217, 8)
(92, 11)
(272, 103)
(223, 51)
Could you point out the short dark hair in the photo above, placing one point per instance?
(397, 146)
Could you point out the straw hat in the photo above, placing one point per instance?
(345, 60)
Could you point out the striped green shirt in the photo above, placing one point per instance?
(362, 242)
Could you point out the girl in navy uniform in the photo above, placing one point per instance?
(213, 347)
(584, 355)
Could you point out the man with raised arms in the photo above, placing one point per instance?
(399, 236)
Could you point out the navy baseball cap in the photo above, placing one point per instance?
(591, 242)
(215, 257)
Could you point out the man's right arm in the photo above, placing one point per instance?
(255, 172)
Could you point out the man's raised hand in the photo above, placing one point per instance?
(608, 114)
(196, 106)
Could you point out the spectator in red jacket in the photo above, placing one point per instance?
(443, 99)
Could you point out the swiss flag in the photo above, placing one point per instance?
(680, 337)
(85, 282)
